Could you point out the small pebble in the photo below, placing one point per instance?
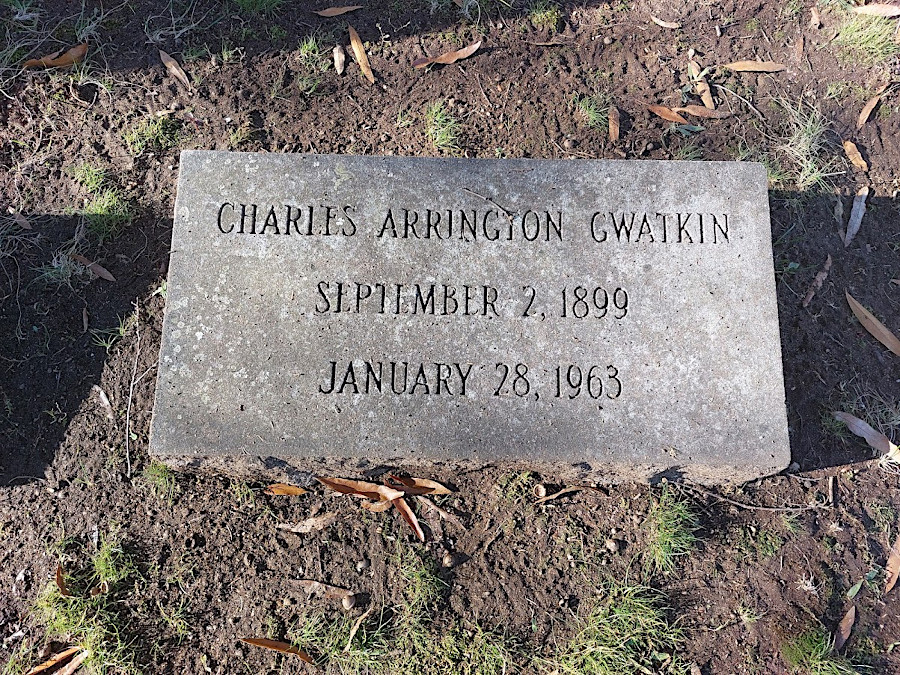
(569, 143)
(448, 559)
(612, 545)
(540, 491)
(349, 601)
(607, 40)
(362, 564)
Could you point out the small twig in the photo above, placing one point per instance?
(753, 507)
(741, 98)
(483, 92)
(488, 199)
(356, 626)
(137, 355)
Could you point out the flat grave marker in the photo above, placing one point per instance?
(615, 317)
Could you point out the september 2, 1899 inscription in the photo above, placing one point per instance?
(620, 315)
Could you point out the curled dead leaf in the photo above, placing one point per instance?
(61, 581)
(359, 488)
(55, 661)
(614, 123)
(844, 627)
(376, 507)
(867, 109)
(876, 440)
(879, 9)
(892, 567)
(336, 11)
(877, 329)
(70, 58)
(664, 24)
(755, 66)
(20, 220)
(817, 282)
(284, 489)
(340, 58)
(666, 113)
(277, 646)
(417, 486)
(701, 86)
(95, 268)
(359, 52)
(854, 156)
(409, 517)
(313, 524)
(857, 211)
(700, 111)
(175, 70)
(449, 57)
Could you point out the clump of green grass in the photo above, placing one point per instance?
(325, 641)
(107, 211)
(161, 481)
(544, 15)
(670, 527)
(867, 39)
(593, 110)
(60, 271)
(264, 7)
(157, 134)
(810, 158)
(442, 128)
(811, 653)
(626, 632)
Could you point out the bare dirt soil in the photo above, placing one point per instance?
(89, 156)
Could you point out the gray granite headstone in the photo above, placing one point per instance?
(614, 317)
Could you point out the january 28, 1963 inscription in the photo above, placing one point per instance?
(618, 315)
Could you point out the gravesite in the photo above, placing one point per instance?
(461, 336)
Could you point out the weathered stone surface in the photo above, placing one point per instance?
(615, 317)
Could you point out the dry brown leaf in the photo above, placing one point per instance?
(844, 627)
(700, 111)
(664, 24)
(701, 86)
(326, 591)
(21, 220)
(340, 58)
(417, 486)
(896, 282)
(817, 282)
(175, 70)
(360, 53)
(614, 121)
(755, 66)
(85, 320)
(54, 661)
(336, 11)
(409, 517)
(284, 489)
(854, 156)
(313, 524)
(892, 567)
(356, 625)
(61, 582)
(449, 57)
(857, 211)
(666, 113)
(815, 21)
(70, 58)
(277, 646)
(867, 109)
(359, 488)
(874, 326)
(376, 507)
(879, 9)
(74, 664)
(876, 440)
(96, 268)
(100, 589)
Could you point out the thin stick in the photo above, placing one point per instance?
(137, 355)
(355, 629)
(753, 507)
(741, 98)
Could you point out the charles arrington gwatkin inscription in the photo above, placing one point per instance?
(620, 316)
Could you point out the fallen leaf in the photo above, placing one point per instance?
(74, 55)
(867, 109)
(360, 53)
(376, 507)
(340, 58)
(61, 582)
(54, 661)
(666, 113)
(755, 66)
(104, 401)
(874, 326)
(798, 47)
(336, 11)
(359, 488)
(326, 591)
(854, 590)
(175, 70)
(700, 111)
(700, 85)
(74, 664)
(96, 268)
(854, 156)
(409, 517)
(100, 589)
(892, 567)
(844, 627)
(664, 24)
(277, 646)
(85, 320)
(878, 9)
(614, 121)
(449, 57)
(817, 282)
(873, 437)
(356, 625)
(815, 21)
(314, 524)
(21, 220)
(417, 486)
(896, 282)
(857, 211)
(284, 489)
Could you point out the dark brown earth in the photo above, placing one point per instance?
(68, 469)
